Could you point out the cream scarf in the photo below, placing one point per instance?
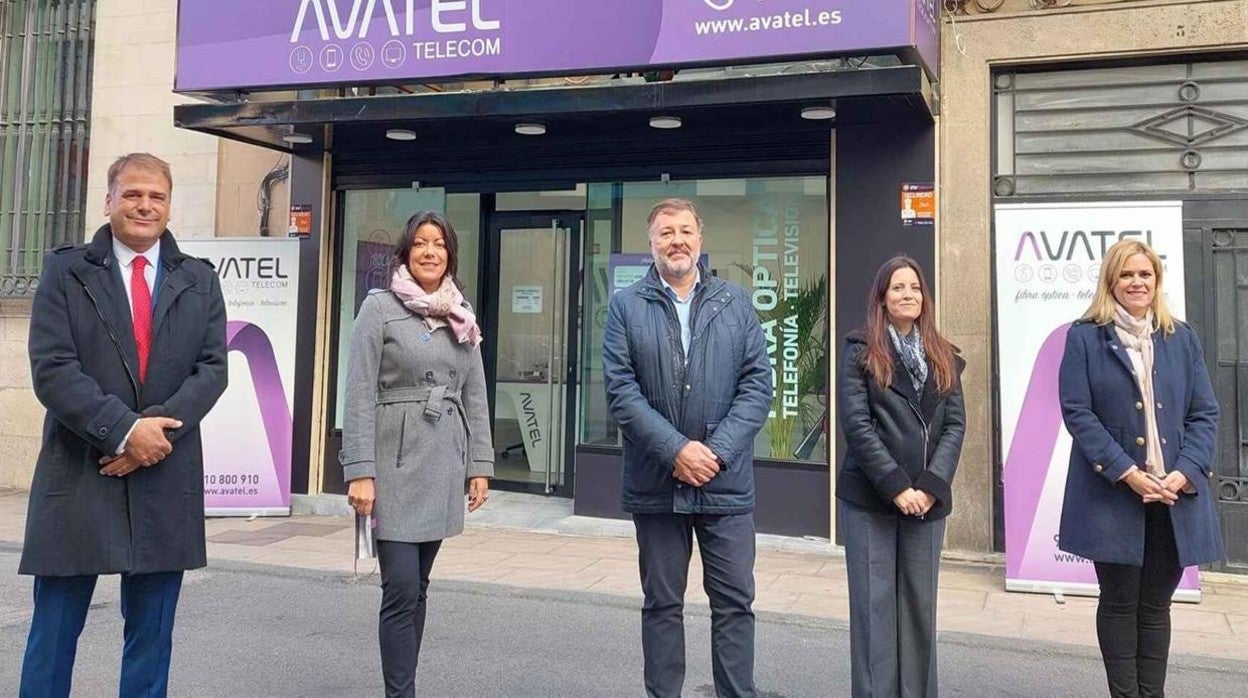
(1137, 337)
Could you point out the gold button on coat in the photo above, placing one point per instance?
(1098, 467)
(1139, 441)
(1139, 405)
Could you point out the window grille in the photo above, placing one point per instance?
(45, 98)
(1152, 129)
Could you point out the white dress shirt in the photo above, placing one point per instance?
(125, 262)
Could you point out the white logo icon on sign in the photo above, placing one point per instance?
(331, 58)
(301, 59)
(720, 5)
(362, 55)
(393, 53)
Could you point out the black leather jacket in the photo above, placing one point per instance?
(894, 438)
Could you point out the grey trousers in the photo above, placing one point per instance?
(893, 562)
(665, 543)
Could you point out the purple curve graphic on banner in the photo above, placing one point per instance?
(255, 346)
(1035, 437)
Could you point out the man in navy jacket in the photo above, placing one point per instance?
(689, 382)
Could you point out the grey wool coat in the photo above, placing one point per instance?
(416, 419)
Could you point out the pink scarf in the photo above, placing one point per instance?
(442, 308)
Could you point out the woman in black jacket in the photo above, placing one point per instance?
(900, 404)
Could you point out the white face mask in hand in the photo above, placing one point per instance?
(365, 541)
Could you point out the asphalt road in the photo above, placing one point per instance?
(252, 631)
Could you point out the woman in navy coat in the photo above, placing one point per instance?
(1137, 399)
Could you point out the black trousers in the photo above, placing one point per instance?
(405, 571)
(665, 544)
(1133, 616)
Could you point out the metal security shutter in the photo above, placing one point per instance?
(1172, 128)
(45, 93)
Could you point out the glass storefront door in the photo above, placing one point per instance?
(533, 349)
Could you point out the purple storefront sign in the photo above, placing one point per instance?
(235, 44)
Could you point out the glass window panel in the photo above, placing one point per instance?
(1102, 76)
(1108, 163)
(1224, 305)
(1092, 119)
(464, 213)
(1223, 92)
(1222, 180)
(1033, 143)
(1231, 159)
(769, 235)
(1077, 184)
(1005, 133)
(1220, 69)
(1098, 97)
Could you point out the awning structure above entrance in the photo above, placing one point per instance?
(751, 104)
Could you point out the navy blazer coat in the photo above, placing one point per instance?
(1102, 518)
(84, 367)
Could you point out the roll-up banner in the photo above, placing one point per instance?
(1048, 258)
(247, 435)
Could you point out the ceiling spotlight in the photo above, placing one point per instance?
(818, 113)
(665, 122)
(531, 129)
(297, 138)
(401, 134)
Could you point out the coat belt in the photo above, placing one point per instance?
(432, 396)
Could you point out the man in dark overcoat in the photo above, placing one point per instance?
(127, 353)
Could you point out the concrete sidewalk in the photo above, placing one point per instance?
(534, 542)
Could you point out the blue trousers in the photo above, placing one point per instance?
(148, 604)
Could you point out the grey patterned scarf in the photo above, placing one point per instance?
(912, 354)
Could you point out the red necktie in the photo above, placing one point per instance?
(141, 308)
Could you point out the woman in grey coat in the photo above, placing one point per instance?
(416, 428)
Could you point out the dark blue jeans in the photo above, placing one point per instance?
(665, 544)
(148, 605)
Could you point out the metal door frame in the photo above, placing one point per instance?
(574, 222)
(1201, 219)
